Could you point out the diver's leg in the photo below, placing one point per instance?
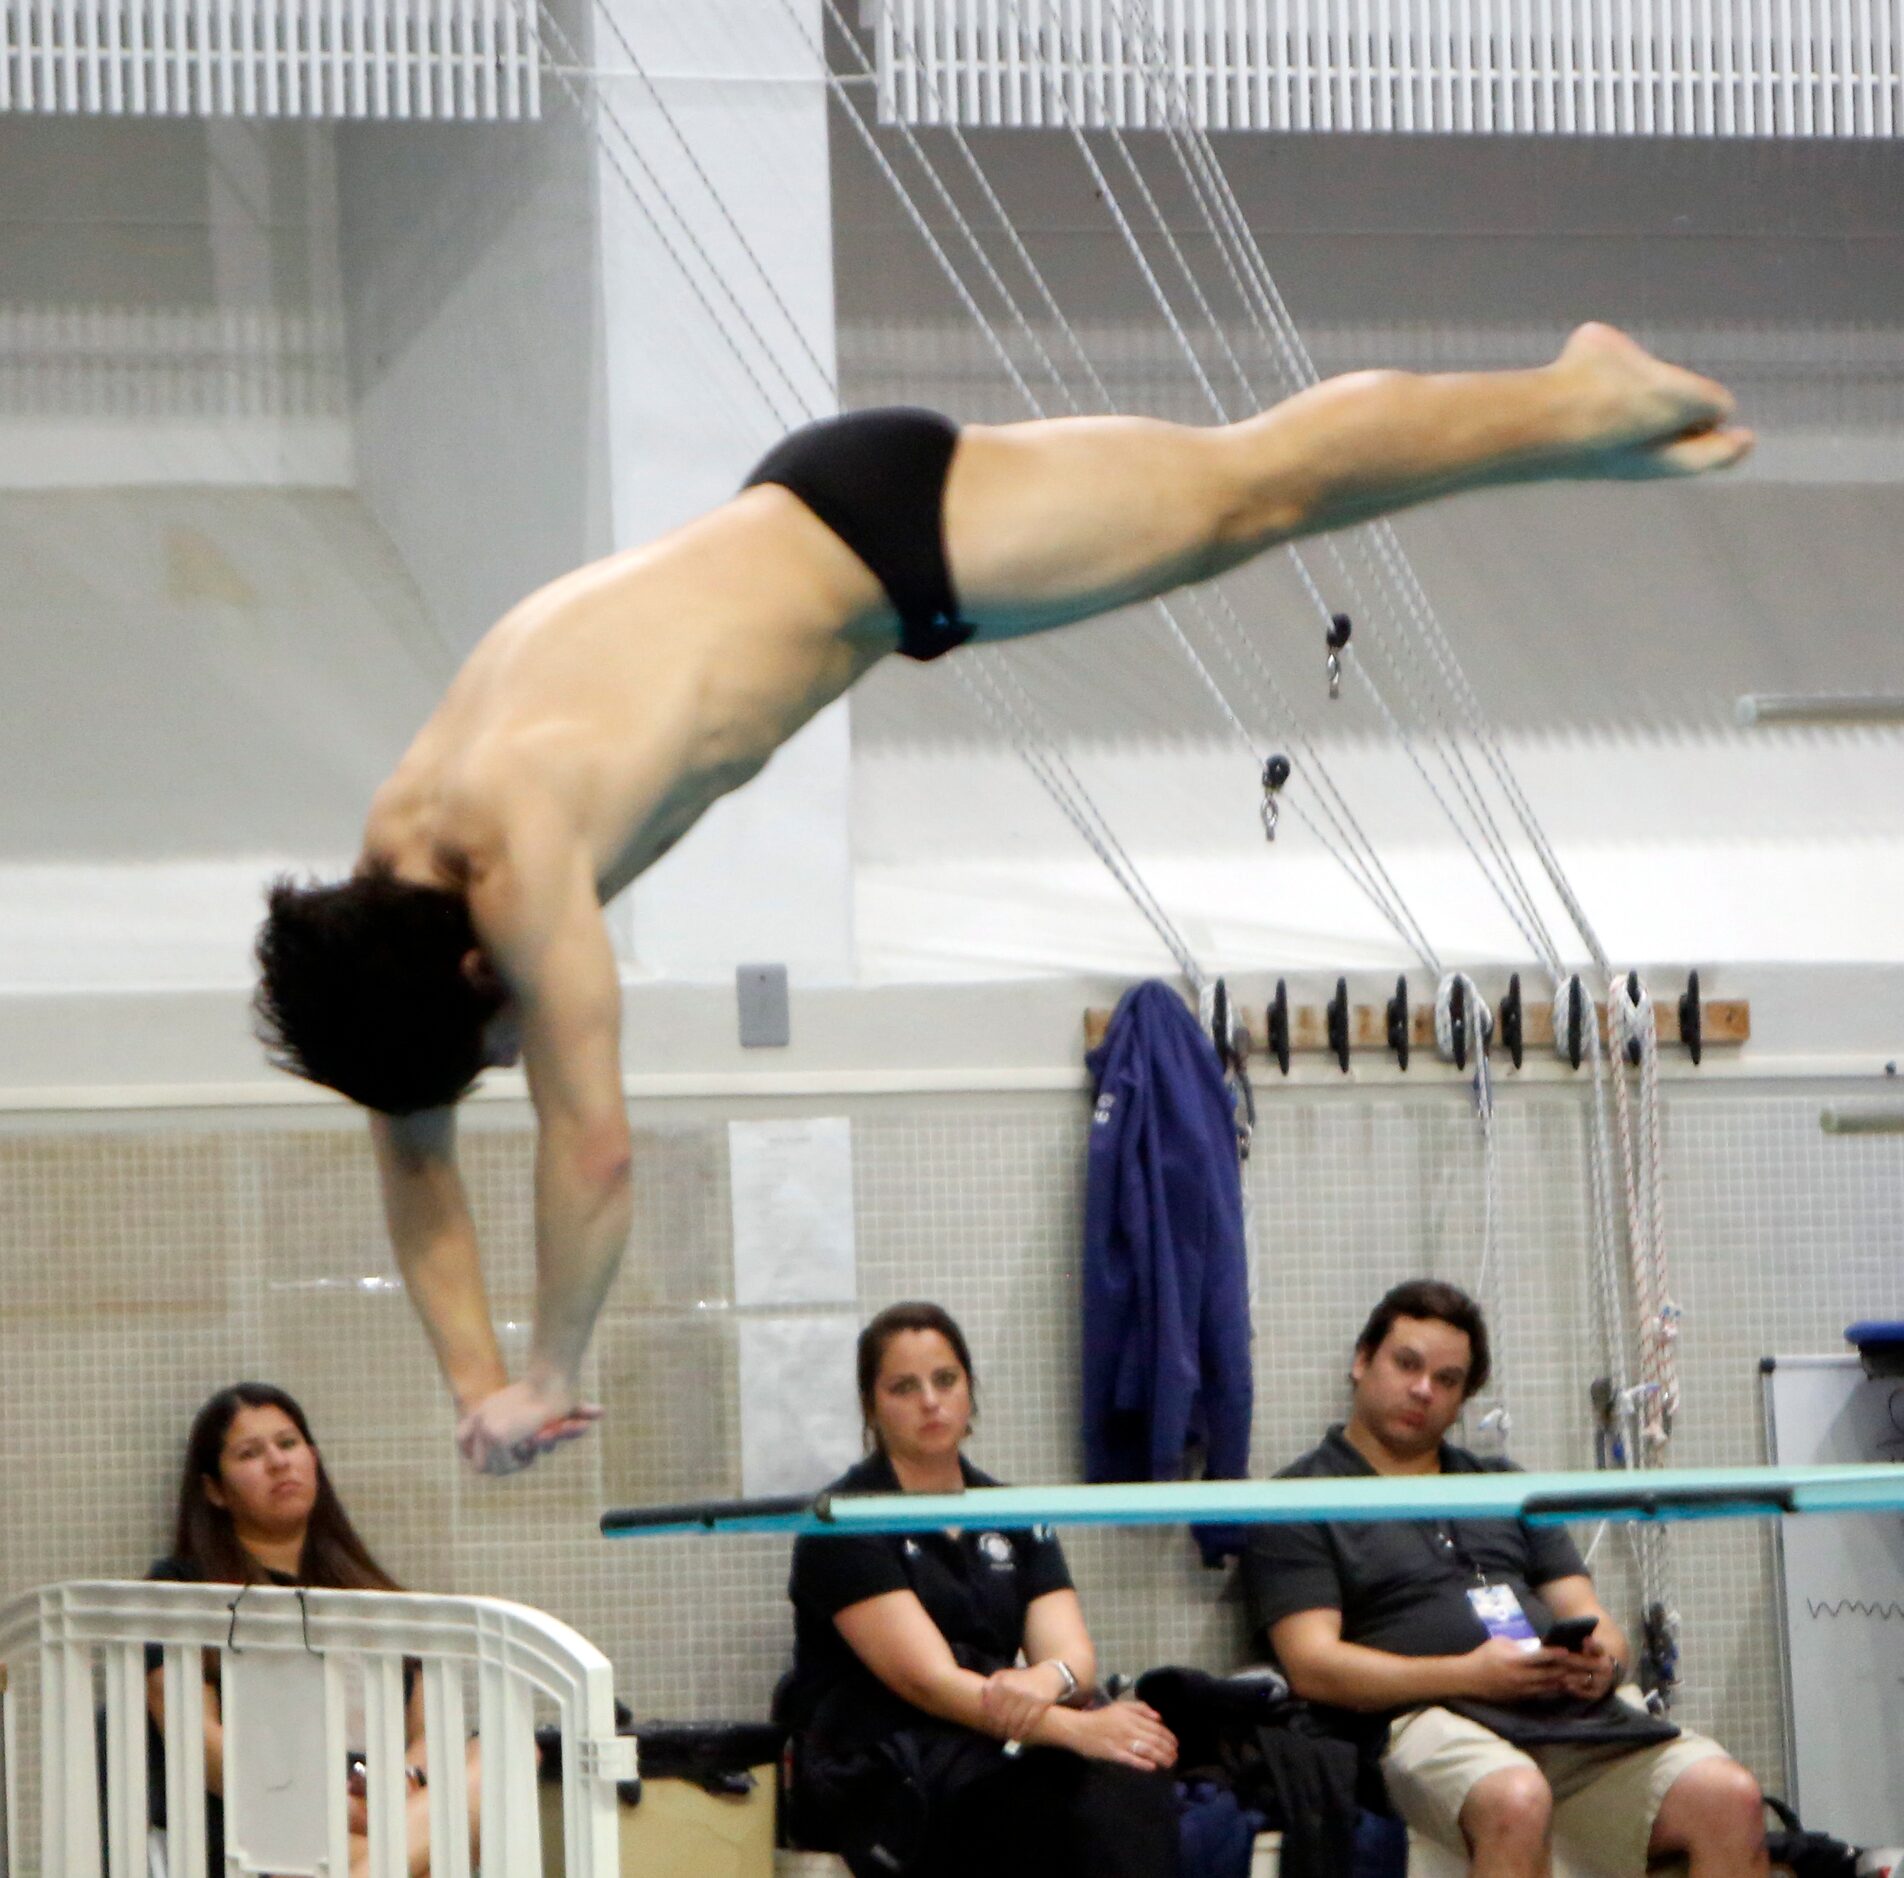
(1054, 521)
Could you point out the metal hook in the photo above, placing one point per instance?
(1398, 1023)
(1232, 1053)
(1339, 1024)
(1510, 1011)
(1275, 774)
(1576, 1020)
(1633, 998)
(304, 1621)
(1279, 1026)
(1690, 1027)
(1336, 639)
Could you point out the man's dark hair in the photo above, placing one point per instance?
(1445, 1303)
(895, 1319)
(362, 988)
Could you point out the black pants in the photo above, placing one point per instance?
(933, 1800)
(1057, 1814)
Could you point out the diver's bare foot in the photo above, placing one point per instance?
(1639, 417)
(506, 1431)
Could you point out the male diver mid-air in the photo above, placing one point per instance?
(598, 719)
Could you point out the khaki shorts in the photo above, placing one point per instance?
(1605, 1799)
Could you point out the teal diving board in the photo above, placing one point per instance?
(1657, 1494)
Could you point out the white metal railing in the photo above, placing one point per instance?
(289, 1661)
(1676, 68)
(272, 58)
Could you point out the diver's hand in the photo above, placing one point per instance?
(508, 1430)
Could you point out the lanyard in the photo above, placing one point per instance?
(1445, 1543)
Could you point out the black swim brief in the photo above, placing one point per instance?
(877, 479)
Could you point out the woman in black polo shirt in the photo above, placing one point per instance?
(920, 1746)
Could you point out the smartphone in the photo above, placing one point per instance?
(1570, 1633)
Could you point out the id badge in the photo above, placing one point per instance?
(1500, 1611)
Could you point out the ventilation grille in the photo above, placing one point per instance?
(1624, 68)
(271, 58)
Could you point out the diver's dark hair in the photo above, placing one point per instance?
(1444, 1303)
(361, 988)
(914, 1314)
(204, 1538)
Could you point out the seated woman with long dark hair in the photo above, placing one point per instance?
(256, 1507)
(923, 1744)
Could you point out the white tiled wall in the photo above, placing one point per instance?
(147, 1265)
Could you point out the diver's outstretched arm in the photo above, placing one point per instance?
(540, 928)
(434, 1238)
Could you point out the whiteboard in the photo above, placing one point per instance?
(1841, 1583)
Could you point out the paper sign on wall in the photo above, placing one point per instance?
(792, 1193)
(799, 1407)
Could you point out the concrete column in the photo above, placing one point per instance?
(718, 338)
(471, 283)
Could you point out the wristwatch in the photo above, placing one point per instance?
(1064, 1669)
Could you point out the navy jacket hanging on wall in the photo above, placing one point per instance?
(1166, 1277)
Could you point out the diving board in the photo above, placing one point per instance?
(1666, 1493)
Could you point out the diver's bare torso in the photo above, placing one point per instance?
(614, 705)
(633, 693)
(586, 733)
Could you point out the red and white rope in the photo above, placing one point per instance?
(1632, 1026)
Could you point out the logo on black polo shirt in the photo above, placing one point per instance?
(998, 1551)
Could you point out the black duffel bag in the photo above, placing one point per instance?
(1809, 1854)
(718, 1757)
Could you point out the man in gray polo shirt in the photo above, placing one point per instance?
(1428, 1632)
